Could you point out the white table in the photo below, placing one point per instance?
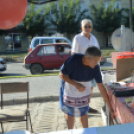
(18, 132)
(115, 129)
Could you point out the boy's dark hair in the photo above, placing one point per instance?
(92, 52)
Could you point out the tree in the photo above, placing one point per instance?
(2, 32)
(126, 15)
(67, 18)
(35, 21)
(107, 20)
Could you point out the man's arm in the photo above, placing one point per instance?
(106, 98)
(78, 86)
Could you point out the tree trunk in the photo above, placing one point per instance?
(105, 40)
(69, 36)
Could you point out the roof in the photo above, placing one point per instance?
(53, 44)
(51, 37)
(39, 2)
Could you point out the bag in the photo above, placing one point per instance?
(124, 93)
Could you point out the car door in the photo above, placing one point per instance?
(48, 57)
(64, 52)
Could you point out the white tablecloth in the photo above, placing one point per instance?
(116, 129)
(76, 131)
(18, 132)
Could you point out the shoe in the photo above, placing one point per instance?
(91, 110)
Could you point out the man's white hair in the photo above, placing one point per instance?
(86, 21)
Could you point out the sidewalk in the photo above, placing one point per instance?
(47, 117)
(44, 88)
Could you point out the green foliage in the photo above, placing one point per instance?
(107, 20)
(35, 21)
(127, 17)
(67, 18)
(2, 32)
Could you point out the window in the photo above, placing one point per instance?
(62, 41)
(46, 41)
(47, 50)
(36, 42)
(53, 10)
(50, 50)
(81, 6)
(66, 9)
(117, 4)
(62, 49)
(41, 51)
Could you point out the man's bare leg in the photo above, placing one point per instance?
(84, 121)
(70, 121)
(92, 90)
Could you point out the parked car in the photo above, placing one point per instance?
(3, 65)
(47, 57)
(47, 40)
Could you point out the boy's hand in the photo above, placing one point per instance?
(80, 87)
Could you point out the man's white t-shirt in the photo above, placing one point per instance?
(81, 43)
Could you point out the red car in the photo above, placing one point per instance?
(47, 57)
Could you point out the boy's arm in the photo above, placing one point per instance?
(106, 98)
(78, 86)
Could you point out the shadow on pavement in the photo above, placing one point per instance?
(96, 115)
(107, 64)
(11, 74)
(51, 71)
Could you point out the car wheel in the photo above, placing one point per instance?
(36, 69)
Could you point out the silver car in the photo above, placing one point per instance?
(3, 65)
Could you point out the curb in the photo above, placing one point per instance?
(23, 100)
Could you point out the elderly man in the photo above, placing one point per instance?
(82, 41)
(75, 91)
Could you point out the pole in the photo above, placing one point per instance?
(12, 41)
(123, 38)
(131, 25)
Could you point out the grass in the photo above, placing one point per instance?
(14, 54)
(39, 75)
(107, 52)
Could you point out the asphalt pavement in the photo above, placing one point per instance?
(17, 69)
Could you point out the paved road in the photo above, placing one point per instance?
(17, 69)
(39, 86)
